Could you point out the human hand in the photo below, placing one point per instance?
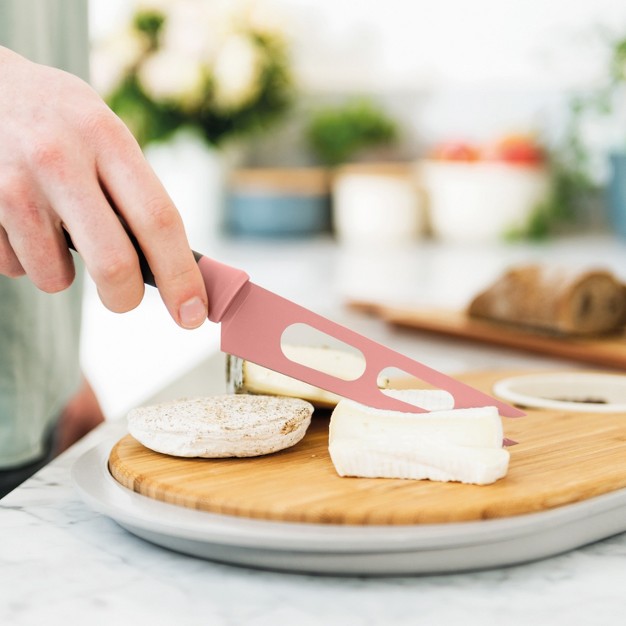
(67, 161)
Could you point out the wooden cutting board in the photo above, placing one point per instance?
(609, 351)
(560, 458)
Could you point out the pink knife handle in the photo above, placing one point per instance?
(222, 282)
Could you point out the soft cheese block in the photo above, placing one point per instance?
(463, 445)
(246, 377)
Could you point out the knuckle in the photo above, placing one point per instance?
(15, 189)
(161, 215)
(184, 275)
(30, 216)
(49, 157)
(100, 123)
(116, 268)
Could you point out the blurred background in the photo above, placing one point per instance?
(358, 149)
(518, 100)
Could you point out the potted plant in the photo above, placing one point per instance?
(210, 72)
(219, 68)
(617, 156)
(338, 134)
(374, 197)
(295, 201)
(576, 188)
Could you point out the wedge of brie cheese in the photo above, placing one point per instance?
(462, 445)
(246, 377)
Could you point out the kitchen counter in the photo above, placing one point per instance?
(62, 563)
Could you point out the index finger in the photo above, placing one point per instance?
(143, 202)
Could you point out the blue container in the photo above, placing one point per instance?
(278, 203)
(617, 193)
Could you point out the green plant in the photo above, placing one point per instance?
(336, 134)
(618, 61)
(215, 67)
(571, 182)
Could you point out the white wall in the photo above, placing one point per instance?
(363, 44)
(438, 43)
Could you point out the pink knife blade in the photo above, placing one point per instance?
(254, 319)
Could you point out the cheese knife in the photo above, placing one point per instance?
(254, 319)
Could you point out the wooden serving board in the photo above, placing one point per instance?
(560, 459)
(608, 351)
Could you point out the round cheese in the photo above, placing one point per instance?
(221, 426)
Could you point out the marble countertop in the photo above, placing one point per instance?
(62, 563)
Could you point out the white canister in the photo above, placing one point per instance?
(376, 204)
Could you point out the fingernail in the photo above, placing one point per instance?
(192, 313)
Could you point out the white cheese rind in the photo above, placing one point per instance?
(246, 377)
(479, 466)
(258, 379)
(428, 399)
(463, 445)
(480, 427)
(221, 426)
(255, 379)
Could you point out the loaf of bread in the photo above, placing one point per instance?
(555, 300)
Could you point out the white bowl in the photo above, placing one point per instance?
(480, 201)
(571, 391)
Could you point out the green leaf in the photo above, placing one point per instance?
(337, 133)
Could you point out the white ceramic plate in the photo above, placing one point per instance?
(347, 550)
(567, 391)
